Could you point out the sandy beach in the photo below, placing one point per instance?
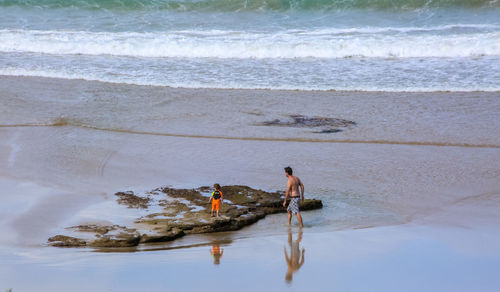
(411, 190)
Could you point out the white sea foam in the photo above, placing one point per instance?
(194, 84)
(393, 29)
(240, 45)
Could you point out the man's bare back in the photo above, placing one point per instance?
(293, 186)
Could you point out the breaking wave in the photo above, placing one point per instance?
(240, 44)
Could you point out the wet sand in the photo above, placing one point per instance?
(409, 258)
(410, 193)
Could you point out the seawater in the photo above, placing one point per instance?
(306, 45)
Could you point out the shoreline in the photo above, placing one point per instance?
(444, 91)
(409, 143)
(380, 109)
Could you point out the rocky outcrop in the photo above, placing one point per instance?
(180, 212)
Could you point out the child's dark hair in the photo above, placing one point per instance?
(217, 186)
(288, 170)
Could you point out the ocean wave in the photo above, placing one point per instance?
(250, 5)
(444, 29)
(241, 45)
(63, 74)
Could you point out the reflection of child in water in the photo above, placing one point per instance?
(294, 262)
(216, 253)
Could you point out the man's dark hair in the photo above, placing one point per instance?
(288, 170)
(217, 186)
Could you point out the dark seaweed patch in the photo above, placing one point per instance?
(328, 131)
(329, 125)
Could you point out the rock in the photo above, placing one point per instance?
(132, 201)
(93, 228)
(121, 240)
(66, 241)
(310, 205)
(168, 236)
(185, 211)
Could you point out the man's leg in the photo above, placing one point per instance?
(289, 218)
(299, 217)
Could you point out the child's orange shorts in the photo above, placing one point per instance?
(216, 204)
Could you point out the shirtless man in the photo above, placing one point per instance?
(292, 189)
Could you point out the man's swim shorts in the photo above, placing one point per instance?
(293, 207)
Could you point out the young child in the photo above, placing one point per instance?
(216, 199)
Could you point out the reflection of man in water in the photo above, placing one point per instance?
(294, 262)
(216, 253)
